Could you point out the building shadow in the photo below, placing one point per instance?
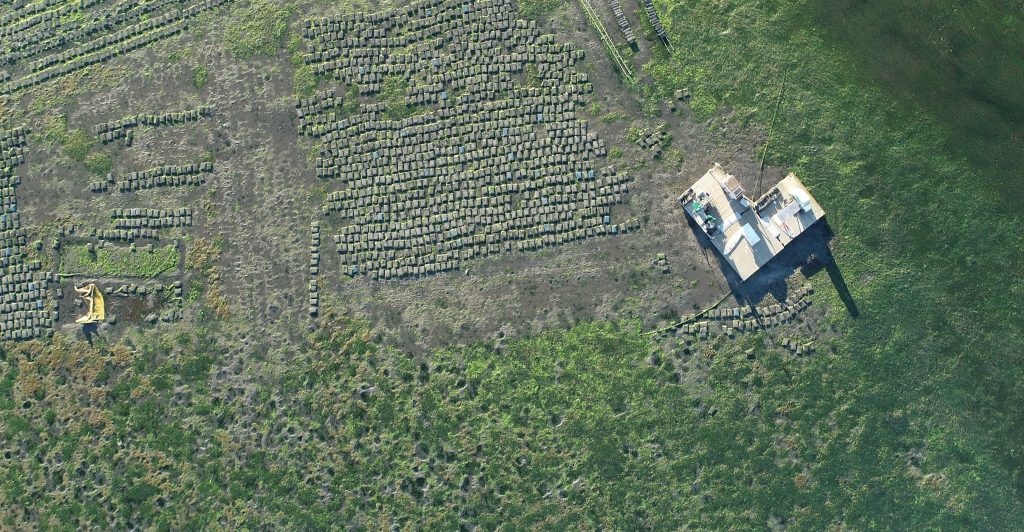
(810, 252)
(90, 330)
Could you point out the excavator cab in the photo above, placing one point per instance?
(94, 302)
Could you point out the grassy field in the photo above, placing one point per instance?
(909, 419)
(576, 428)
(112, 261)
(922, 206)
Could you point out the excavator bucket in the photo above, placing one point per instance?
(94, 302)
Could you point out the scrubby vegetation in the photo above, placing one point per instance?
(304, 81)
(537, 8)
(392, 95)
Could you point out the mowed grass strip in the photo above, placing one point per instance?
(111, 261)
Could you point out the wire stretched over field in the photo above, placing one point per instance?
(627, 73)
(696, 316)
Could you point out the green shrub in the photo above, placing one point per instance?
(55, 128)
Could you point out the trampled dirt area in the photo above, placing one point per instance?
(263, 192)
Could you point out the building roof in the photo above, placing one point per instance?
(747, 233)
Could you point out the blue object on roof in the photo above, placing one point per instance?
(607, 219)
(590, 174)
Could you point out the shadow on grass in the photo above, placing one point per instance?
(810, 253)
(89, 330)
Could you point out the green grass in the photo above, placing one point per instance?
(77, 144)
(615, 116)
(257, 28)
(537, 8)
(304, 81)
(112, 261)
(98, 163)
(925, 228)
(392, 95)
(570, 429)
(200, 76)
(55, 129)
(974, 90)
(910, 419)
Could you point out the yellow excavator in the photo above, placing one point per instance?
(94, 300)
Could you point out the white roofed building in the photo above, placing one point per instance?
(749, 233)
